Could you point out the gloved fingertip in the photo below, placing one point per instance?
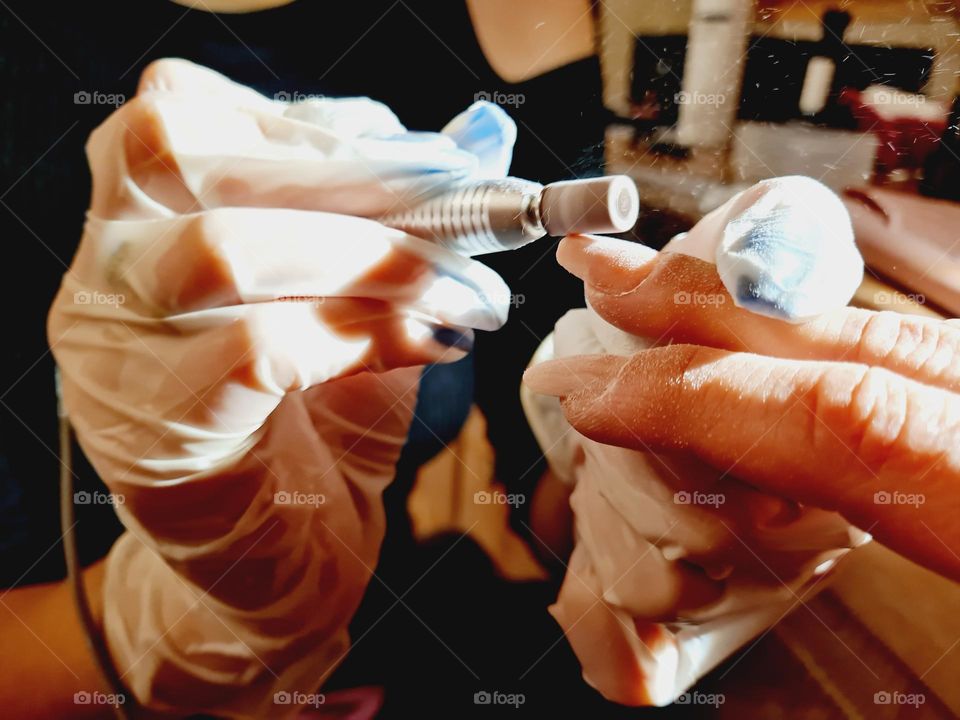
(788, 251)
(427, 342)
(486, 131)
(457, 338)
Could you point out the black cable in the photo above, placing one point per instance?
(74, 575)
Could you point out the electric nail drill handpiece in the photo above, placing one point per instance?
(493, 215)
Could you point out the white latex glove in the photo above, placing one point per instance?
(677, 562)
(240, 358)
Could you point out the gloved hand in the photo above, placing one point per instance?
(240, 358)
(713, 486)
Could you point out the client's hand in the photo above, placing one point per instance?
(855, 411)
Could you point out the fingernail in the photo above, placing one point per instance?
(606, 264)
(453, 338)
(566, 377)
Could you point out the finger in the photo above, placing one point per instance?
(681, 299)
(348, 117)
(488, 132)
(626, 563)
(215, 378)
(784, 248)
(723, 524)
(834, 435)
(618, 655)
(701, 516)
(283, 347)
(243, 255)
(192, 151)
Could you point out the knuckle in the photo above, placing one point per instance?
(174, 74)
(865, 411)
(253, 364)
(940, 348)
(158, 74)
(878, 337)
(192, 272)
(145, 139)
(913, 346)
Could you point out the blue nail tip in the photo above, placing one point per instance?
(450, 337)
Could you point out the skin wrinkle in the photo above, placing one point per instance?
(870, 437)
(937, 346)
(920, 349)
(923, 348)
(943, 357)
